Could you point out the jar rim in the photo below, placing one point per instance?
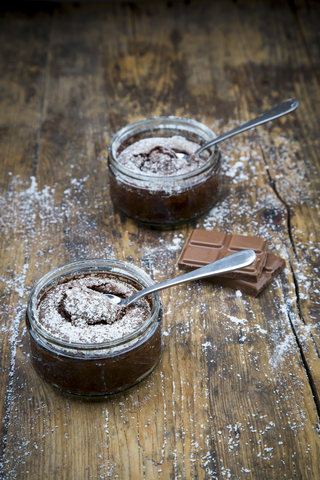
(157, 123)
(94, 265)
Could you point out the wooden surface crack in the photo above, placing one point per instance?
(306, 366)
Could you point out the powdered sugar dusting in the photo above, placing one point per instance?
(93, 318)
(160, 153)
(87, 307)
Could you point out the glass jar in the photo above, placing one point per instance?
(164, 200)
(93, 369)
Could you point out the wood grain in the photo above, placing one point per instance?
(236, 394)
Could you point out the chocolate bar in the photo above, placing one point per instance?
(273, 266)
(203, 247)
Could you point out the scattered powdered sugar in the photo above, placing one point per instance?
(261, 330)
(236, 171)
(233, 319)
(177, 243)
(285, 347)
(17, 206)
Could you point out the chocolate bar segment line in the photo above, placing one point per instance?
(274, 265)
(203, 247)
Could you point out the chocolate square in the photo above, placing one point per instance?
(203, 247)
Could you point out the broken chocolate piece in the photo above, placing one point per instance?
(274, 265)
(203, 247)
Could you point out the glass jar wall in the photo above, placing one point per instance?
(164, 200)
(94, 368)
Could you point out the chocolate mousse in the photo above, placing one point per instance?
(84, 344)
(158, 156)
(159, 187)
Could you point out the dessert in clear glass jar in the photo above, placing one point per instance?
(82, 343)
(148, 180)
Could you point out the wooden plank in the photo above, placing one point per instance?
(22, 65)
(293, 168)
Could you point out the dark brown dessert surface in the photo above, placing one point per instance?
(157, 156)
(203, 247)
(156, 191)
(77, 310)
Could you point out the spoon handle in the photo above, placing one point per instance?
(231, 262)
(275, 112)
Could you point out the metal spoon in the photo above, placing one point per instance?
(226, 264)
(275, 112)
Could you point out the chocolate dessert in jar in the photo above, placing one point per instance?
(151, 183)
(83, 344)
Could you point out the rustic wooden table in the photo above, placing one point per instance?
(237, 392)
